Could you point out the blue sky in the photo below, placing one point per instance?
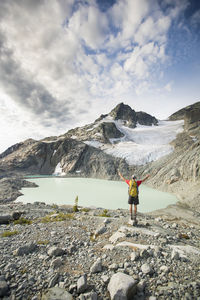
(65, 62)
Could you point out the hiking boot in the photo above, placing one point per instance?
(135, 221)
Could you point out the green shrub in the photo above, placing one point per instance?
(42, 242)
(104, 214)
(9, 233)
(55, 206)
(59, 217)
(75, 207)
(22, 221)
(85, 209)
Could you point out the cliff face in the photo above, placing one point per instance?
(190, 114)
(39, 157)
(179, 172)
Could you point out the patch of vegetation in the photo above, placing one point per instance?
(22, 221)
(92, 237)
(104, 214)
(57, 217)
(23, 271)
(54, 206)
(42, 242)
(85, 209)
(75, 207)
(9, 233)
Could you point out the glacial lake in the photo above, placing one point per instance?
(93, 192)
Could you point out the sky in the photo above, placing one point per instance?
(65, 62)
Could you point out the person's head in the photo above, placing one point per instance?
(134, 177)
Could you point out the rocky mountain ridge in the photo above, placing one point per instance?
(179, 172)
(42, 157)
(173, 173)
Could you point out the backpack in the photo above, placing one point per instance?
(133, 188)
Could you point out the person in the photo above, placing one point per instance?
(133, 184)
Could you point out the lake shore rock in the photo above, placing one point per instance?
(160, 256)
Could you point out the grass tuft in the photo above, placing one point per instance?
(42, 242)
(85, 209)
(104, 214)
(22, 221)
(9, 233)
(57, 217)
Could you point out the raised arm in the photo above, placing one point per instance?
(146, 178)
(121, 176)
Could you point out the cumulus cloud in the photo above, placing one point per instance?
(57, 57)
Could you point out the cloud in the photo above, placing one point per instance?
(65, 62)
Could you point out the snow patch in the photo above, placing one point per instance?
(58, 170)
(142, 144)
(93, 143)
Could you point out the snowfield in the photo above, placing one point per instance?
(142, 144)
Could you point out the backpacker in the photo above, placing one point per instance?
(133, 188)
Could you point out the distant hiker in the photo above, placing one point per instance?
(133, 193)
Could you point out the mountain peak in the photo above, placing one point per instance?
(131, 117)
(124, 112)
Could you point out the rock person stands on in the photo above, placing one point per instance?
(133, 193)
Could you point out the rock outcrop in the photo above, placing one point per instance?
(179, 172)
(42, 157)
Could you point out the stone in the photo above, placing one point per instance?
(141, 285)
(100, 230)
(88, 296)
(105, 278)
(56, 263)
(97, 266)
(116, 236)
(146, 269)
(3, 288)
(134, 255)
(106, 221)
(164, 269)
(122, 287)
(174, 225)
(56, 293)
(10, 266)
(55, 251)
(108, 247)
(82, 284)
(53, 280)
(114, 266)
(24, 250)
(175, 255)
(144, 253)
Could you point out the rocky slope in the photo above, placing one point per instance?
(179, 172)
(70, 151)
(42, 157)
(83, 255)
(104, 129)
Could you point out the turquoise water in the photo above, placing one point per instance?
(93, 192)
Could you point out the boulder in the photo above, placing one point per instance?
(82, 284)
(3, 288)
(24, 250)
(97, 266)
(55, 251)
(56, 263)
(116, 236)
(122, 286)
(146, 269)
(88, 296)
(56, 293)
